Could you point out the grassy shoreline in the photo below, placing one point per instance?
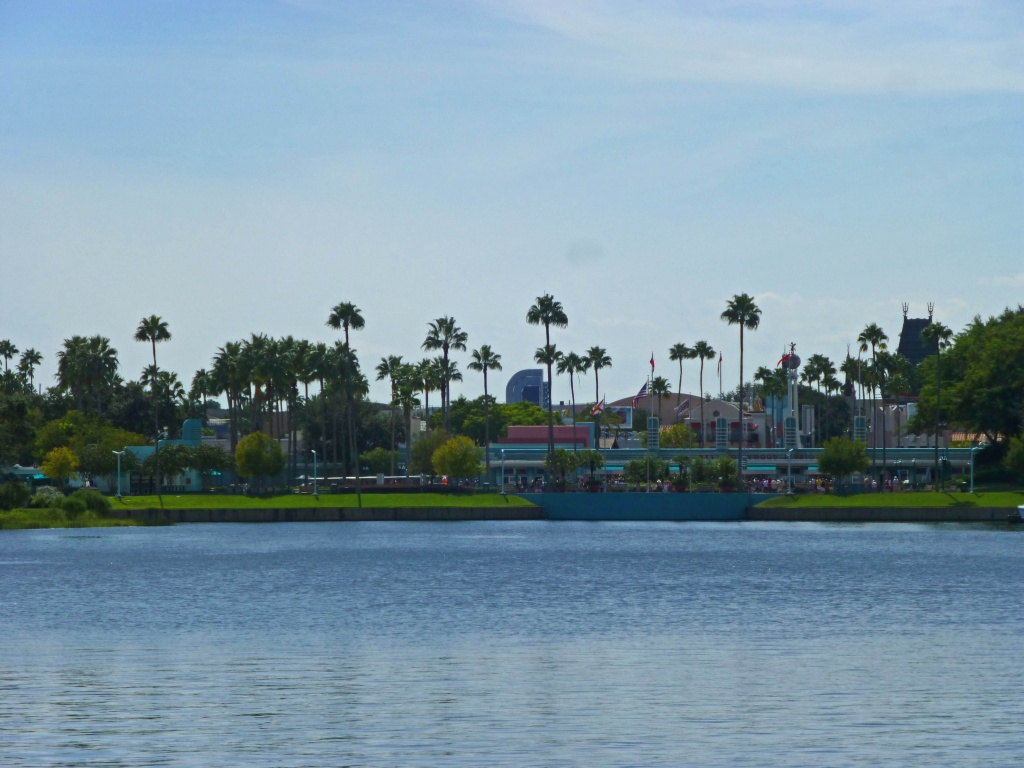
(906, 499)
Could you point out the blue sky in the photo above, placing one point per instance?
(243, 166)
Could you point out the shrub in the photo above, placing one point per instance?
(13, 495)
(47, 497)
(73, 506)
(94, 500)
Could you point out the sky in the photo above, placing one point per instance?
(242, 167)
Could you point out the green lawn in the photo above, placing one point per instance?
(901, 499)
(296, 501)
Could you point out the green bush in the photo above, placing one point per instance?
(94, 500)
(47, 497)
(13, 495)
(73, 506)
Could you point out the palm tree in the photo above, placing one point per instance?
(681, 352)
(572, 364)
(742, 311)
(597, 359)
(428, 371)
(660, 388)
(30, 358)
(703, 351)
(445, 335)
(346, 315)
(874, 338)
(154, 329)
(547, 312)
(408, 385)
(939, 335)
(390, 367)
(484, 359)
(7, 351)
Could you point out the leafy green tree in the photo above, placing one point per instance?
(423, 451)
(59, 464)
(727, 472)
(1013, 460)
(458, 458)
(841, 457)
(560, 463)
(678, 436)
(208, 460)
(547, 312)
(377, 461)
(590, 460)
(639, 471)
(259, 456)
(742, 311)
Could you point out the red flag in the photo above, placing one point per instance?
(652, 363)
(598, 408)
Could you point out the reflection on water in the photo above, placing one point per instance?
(512, 644)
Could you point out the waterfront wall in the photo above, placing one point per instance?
(882, 514)
(329, 514)
(645, 506)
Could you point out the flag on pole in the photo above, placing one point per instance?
(719, 363)
(652, 363)
(640, 394)
(683, 408)
(598, 408)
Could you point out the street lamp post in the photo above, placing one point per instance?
(913, 482)
(973, 449)
(315, 494)
(789, 482)
(119, 455)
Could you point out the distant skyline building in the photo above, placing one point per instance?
(528, 385)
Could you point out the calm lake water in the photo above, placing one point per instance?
(512, 644)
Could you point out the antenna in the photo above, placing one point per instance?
(931, 310)
(906, 308)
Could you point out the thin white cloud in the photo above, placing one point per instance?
(1003, 281)
(846, 47)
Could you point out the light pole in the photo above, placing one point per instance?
(789, 482)
(973, 449)
(315, 494)
(119, 455)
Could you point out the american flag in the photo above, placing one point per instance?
(641, 393)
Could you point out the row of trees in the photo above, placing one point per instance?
(972, 380)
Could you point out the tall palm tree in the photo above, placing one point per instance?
(485, 359)
(547, 312)
(742, 311)
(408, 385)
(681, 352)
(874, 338)
(154, 329)
(597, 359)
(939, 335)
(660, 388)
(7, 351)
(571, 364)
(390, 367)
(703, 351)
(445, 335)
(428, 371)
(30, 358)
(346, 315)
(225, 374)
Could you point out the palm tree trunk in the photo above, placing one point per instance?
(487, 434)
